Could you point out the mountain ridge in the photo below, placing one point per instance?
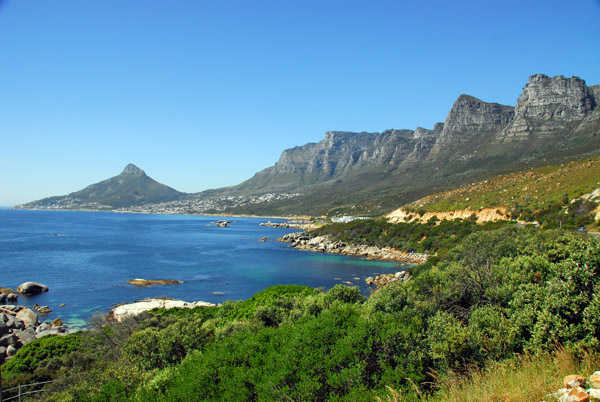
(373, 173)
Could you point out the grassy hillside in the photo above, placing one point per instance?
(533, 188)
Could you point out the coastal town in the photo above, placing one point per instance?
(190, 205)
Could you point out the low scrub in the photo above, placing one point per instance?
(521, 378)
(461, 322)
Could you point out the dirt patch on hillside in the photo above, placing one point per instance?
(483, 215)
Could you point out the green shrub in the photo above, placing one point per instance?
(35, 361)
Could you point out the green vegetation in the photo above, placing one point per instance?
(493, 296)
(529, 190)
(41, 360)
(564, 214)
(521, 378)
(432, 237)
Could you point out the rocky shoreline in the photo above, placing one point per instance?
(325, 244)
(19, 326)
(304, 225)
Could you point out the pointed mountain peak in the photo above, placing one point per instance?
(133, 170)
(467, 98)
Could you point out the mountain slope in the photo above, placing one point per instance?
(555, 119)
(131, 187)
(511, 195)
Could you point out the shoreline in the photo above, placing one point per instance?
(291, 217)
(323, 244)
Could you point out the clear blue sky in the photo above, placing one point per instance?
(203, 94)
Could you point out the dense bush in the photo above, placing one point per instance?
(430, 237)
(495, 294)
(565, 214)
(40, 360)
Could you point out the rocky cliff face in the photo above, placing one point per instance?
(339, 154)
(471, 119)
(548, 104)
(474, 131)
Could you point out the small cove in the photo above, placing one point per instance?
(85, 258)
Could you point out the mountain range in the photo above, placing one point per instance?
(555, 119)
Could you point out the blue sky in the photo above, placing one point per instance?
(203, 94)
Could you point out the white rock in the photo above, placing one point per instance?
(594, 393)
(132, 309)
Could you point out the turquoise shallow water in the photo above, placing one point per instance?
(85, 258)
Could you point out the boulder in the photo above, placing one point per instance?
(51, 331)
(2, 352)
(9, 308)
(3, 328)
(2, 298)
(57, 322)
(29, 317)
(10, 321)
(595, 379)
(17, 323)
(31, 288)
(24, 335)
(594, 393)
(42, 309)
(43, 327)
(572, 381)
(12, 297)
(578, 394)
(11, 351)
(8, 339)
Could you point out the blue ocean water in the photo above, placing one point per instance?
(85, 258)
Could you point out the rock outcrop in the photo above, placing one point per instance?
(471, 119)
(289, 225)
(29, 317)
(324, 244)
(574, 391)
(549, 104)
(385, 279)
(153, 282)
(546, 105)
(31, 288)
(19, 326)
(339, 154)
(123, 311)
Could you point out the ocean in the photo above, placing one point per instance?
(86, 258)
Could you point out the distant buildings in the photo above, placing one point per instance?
(348, 218)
